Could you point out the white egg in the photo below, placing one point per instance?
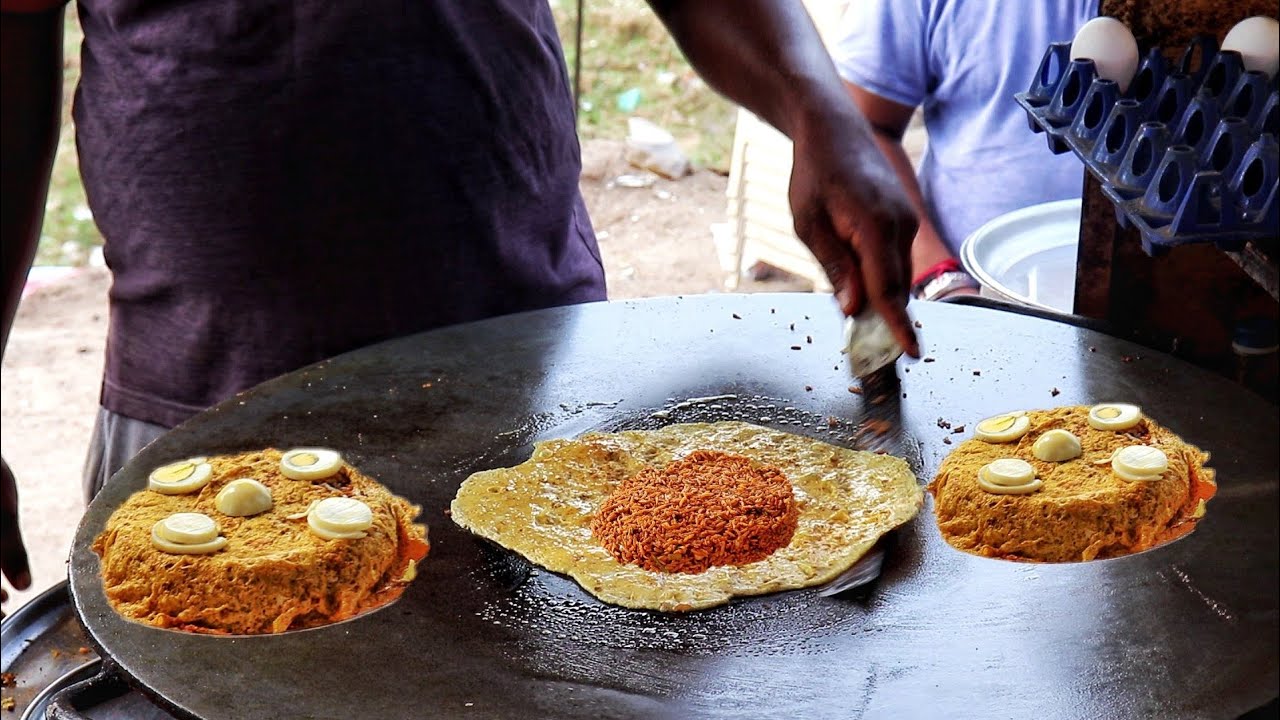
(1110, 45)
(1257, 39)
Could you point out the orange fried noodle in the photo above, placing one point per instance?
(707, 509)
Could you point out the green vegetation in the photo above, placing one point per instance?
(625, 48)
(69, 233)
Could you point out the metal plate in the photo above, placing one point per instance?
(1188, 630)
(1028, 255)
(42, 642)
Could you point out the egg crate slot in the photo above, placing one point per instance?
(1188, 153)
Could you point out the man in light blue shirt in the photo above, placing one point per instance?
(962, 60)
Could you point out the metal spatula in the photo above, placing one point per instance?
(869, 343)
(861, 573)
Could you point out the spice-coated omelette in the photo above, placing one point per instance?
(691, 515)
(259, 542)
(1097, 482)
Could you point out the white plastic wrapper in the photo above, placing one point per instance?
(869, 343)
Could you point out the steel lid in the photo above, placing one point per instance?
(1028, 255)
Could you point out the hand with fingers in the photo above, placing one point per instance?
(13, 554)
(851, 211)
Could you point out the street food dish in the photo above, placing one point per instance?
(236, 545)
(1070, 484)
(690, 516)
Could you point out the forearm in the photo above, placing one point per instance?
(30, 107)
(764, 55)
(927, 248)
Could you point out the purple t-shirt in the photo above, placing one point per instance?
(278, 182)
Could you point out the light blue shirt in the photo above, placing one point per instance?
(963, 60)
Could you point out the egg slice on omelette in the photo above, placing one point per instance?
(691, 515)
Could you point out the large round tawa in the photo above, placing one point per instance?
(1187, 630)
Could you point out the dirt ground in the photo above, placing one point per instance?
(655, 241)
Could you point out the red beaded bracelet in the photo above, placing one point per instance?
(936, 269)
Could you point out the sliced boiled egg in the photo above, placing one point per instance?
(1056, 445)
(243, 497)
(340, 518)
(1003, 428)
(310, 463)
(180, 478)
(1114, 416)
(1008, 472)
(1138, 463)
(187, 534)
(1009, 476)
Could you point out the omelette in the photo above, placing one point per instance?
(689, 516)
(259, 542)
(1070, 484)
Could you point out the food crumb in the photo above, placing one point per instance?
(8, 679)
(792, 327)
(808, 339)
(808, 388)
(832, 421)
(795, 347)
(1093, 349)
(944, 424)
(1055, 392)
(855, 389)
(917, 324)
(958, 429)
(928, 359)
(904, 396)
(8, 704)
(736, 316)
(772, 310)
(977, 372)
(83, 650)
(56, 653)
(946, 441)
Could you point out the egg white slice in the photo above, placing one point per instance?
(1056, 445)
(243, 497)
(1114, 416)
(310, 463)
(1140, 463)
(180, 478)
(1003, 428)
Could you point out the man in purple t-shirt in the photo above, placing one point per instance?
(279, 182)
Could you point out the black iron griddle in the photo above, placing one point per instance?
(1188, 630)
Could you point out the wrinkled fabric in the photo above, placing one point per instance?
(280, 182)
(962, 61)
(114, 441)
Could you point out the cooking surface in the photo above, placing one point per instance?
(1186, 630)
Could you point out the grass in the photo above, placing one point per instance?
(625, 48)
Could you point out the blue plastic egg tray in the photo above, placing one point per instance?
(1187, 154)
